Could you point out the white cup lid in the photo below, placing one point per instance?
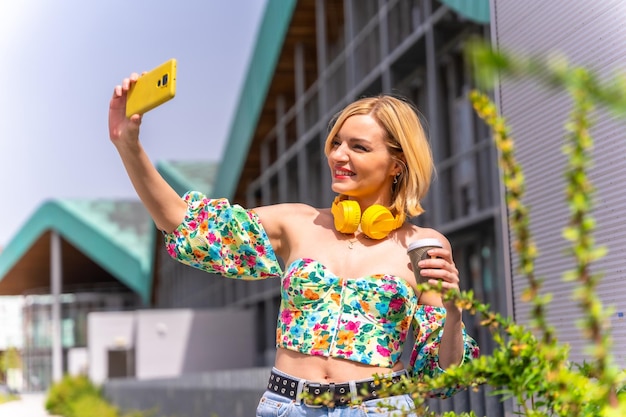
(424, 242)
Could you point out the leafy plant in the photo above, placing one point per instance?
(528, 364)
(94, 406)
(77, 396)
(10, 359)
(63, 394)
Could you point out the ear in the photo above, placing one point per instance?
(397, 167)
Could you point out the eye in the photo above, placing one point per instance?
(360, 148)
(334, 143)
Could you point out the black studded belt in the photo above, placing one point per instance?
(314, 394)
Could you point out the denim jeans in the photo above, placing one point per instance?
(274, 405)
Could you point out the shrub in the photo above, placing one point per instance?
(77, 396)
(63, 394)
(92, 406)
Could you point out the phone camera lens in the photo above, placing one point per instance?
(164, 80)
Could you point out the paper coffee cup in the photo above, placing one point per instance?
(417, 251)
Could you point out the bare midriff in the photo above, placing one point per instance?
(326, 370)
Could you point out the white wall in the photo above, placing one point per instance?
(106, 330)
(11, 322)
(77, 361)
(173, 342)
(176, 342)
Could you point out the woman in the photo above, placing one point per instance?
(349, 295)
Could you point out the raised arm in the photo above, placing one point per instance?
(163, 203)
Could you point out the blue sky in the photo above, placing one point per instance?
(60, 62)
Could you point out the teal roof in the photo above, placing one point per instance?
(476, 10)
(185, 176)
(261, 70)
(117, 235)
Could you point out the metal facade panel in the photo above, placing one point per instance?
(591, 34)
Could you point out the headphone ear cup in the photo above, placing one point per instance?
(347, 215)
(377, 222)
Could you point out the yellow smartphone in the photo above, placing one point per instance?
(152, 89)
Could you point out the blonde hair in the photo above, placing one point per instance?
(406, 141)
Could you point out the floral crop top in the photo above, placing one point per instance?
(366, 319)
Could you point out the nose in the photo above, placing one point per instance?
(339, 153)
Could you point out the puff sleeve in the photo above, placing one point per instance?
(221, 238)
(428, 324)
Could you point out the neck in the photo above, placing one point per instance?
(364, 203)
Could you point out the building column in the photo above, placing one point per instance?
(56, 268)
(432, 97)
(322, 91)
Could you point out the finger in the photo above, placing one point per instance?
(125, 84)
(441, 274)
(434, 250)
(444, 285)
(434, 263)
(117, 91)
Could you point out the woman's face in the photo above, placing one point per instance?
(360, 164)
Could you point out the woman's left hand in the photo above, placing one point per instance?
(440, 268)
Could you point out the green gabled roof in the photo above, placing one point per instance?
(116, 235)
(261, 69)
(476, 10)
(185, 176)
(123, 225)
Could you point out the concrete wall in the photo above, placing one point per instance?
(170, 343)
(233, 393)
(104, 331)
(177, 342)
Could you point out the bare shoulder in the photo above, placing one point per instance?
(285, 213)
(281, 219)
(286, 223)
(417, 232)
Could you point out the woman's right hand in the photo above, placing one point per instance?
(123, 130)
(160, 199)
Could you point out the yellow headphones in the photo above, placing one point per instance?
(377, 221)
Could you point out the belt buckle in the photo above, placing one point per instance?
(307, 400)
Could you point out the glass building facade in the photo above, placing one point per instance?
(75, 304)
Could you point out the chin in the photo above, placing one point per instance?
(338, 188)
